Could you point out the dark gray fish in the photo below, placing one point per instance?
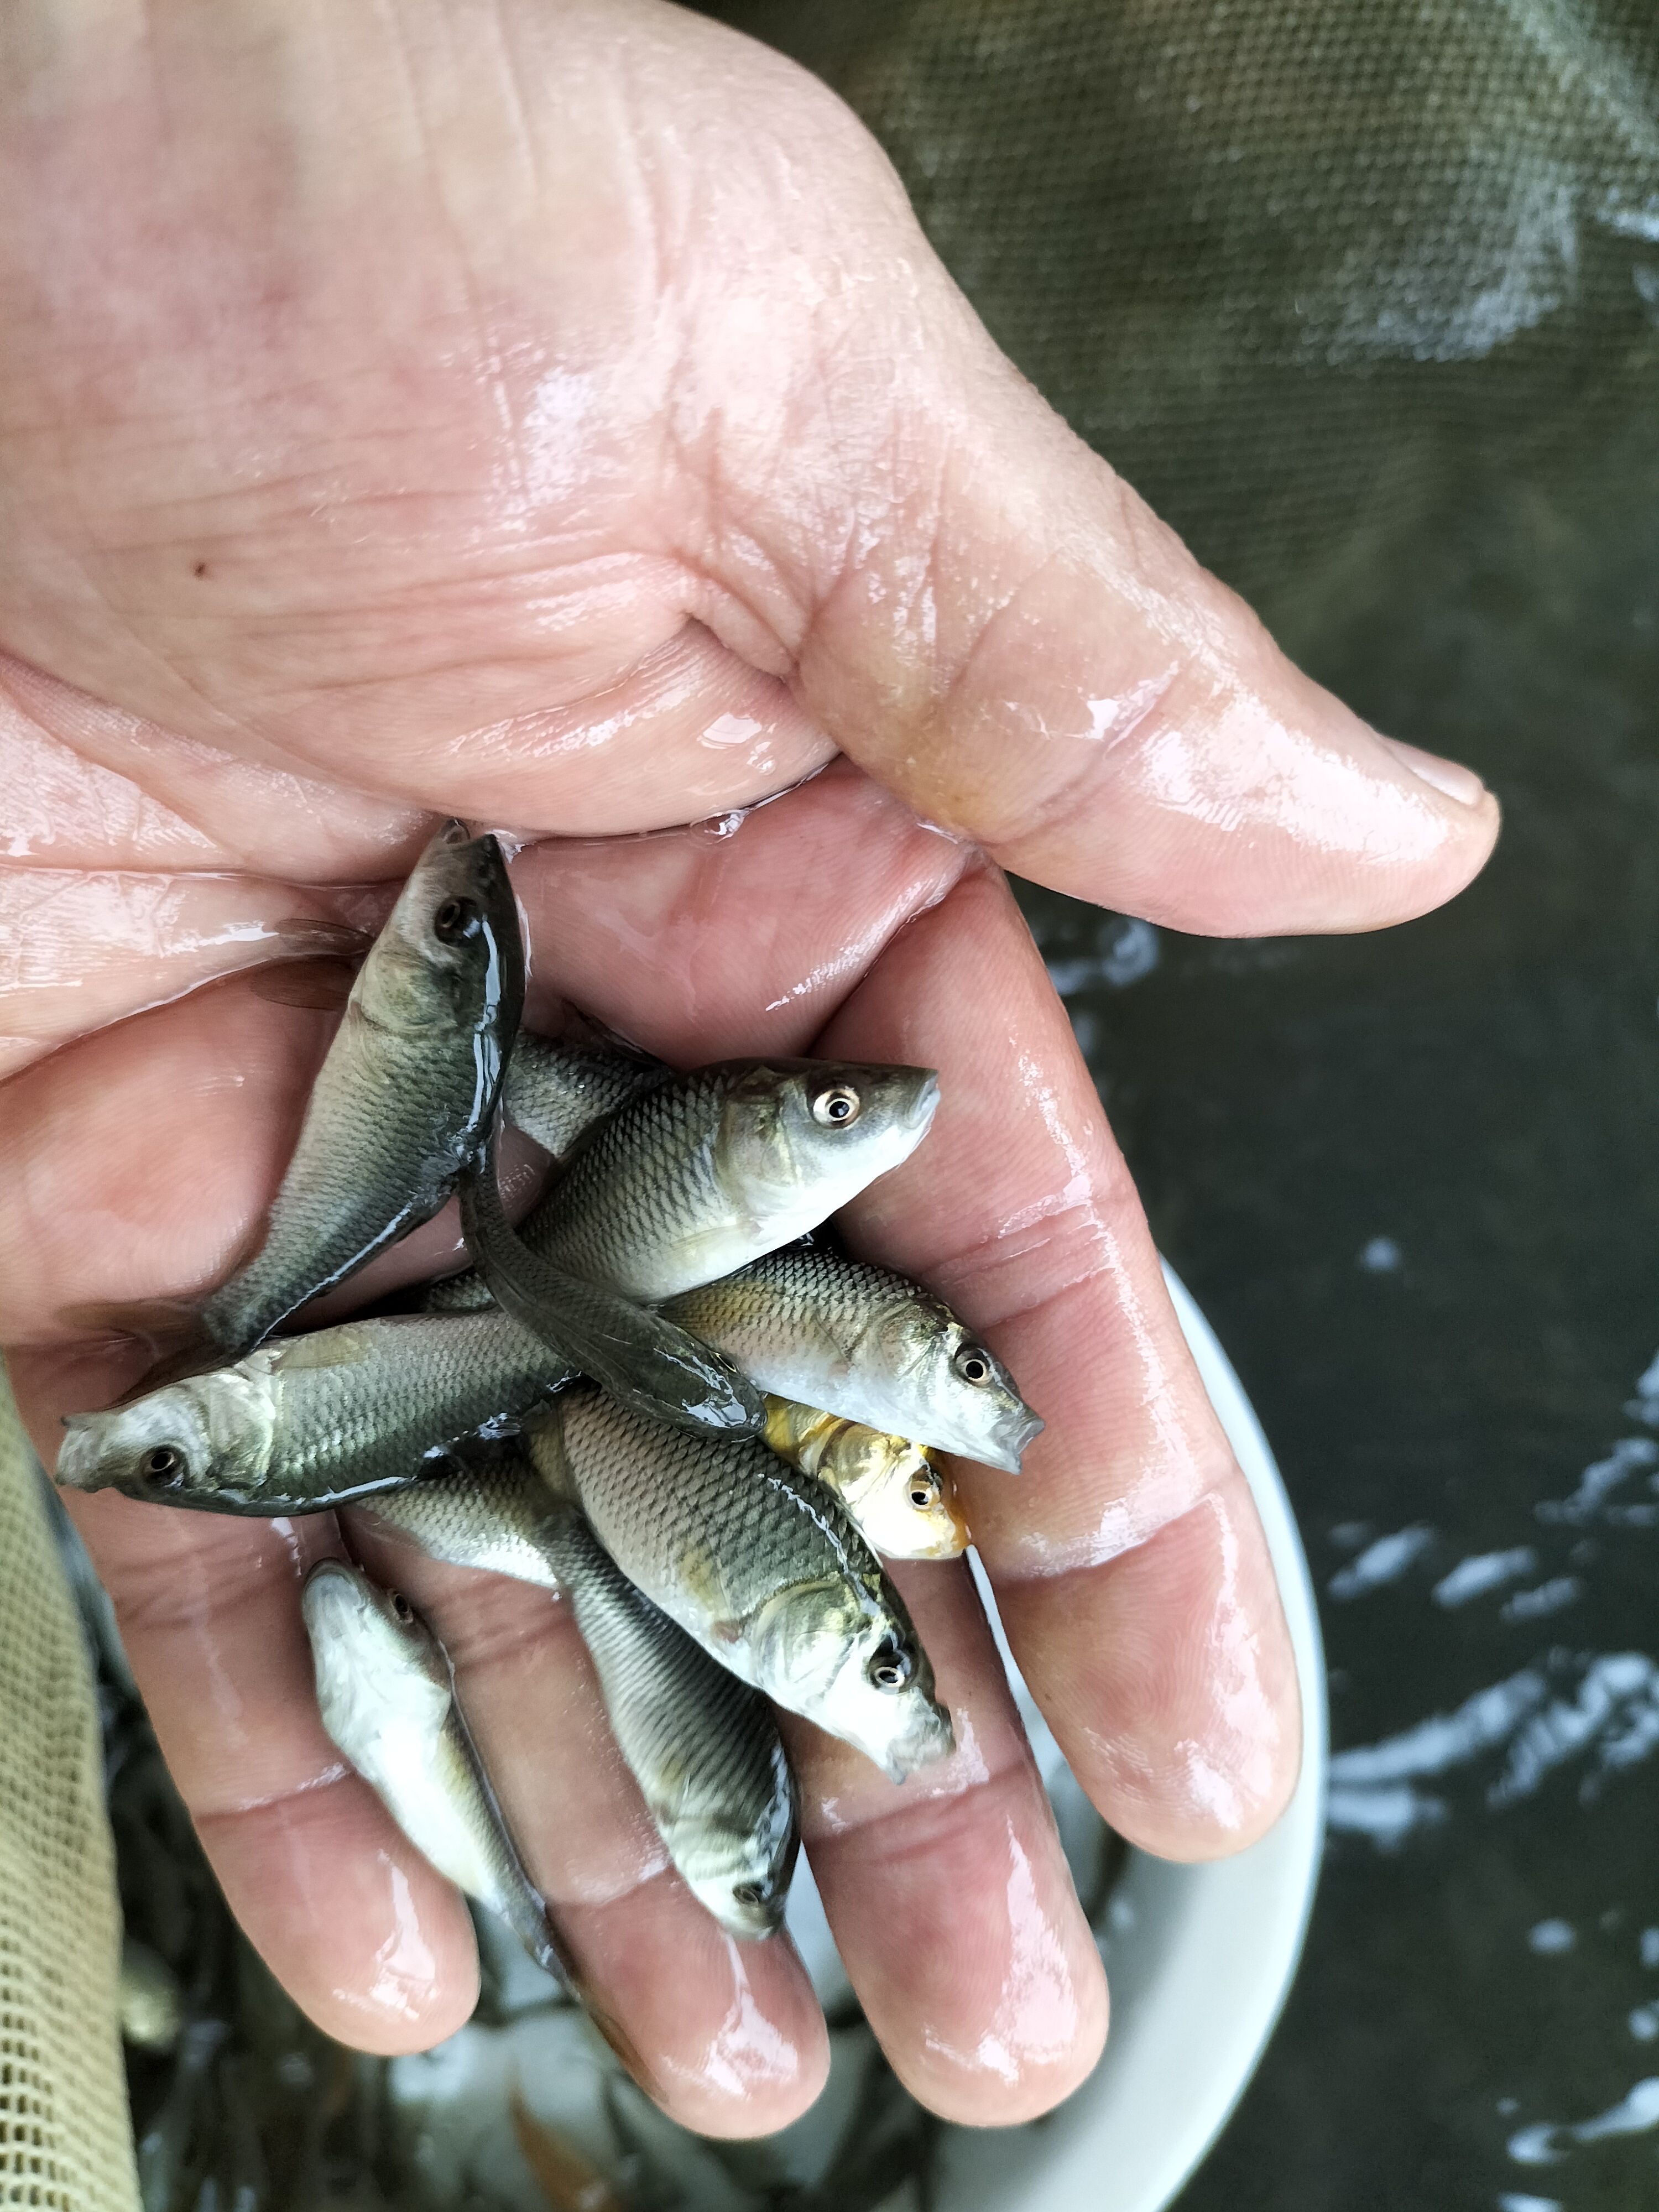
(557, 1087)
(702, 1745)
(808, 1324)
(310, 1422)
(647, 1362)
(407, 1093)
(759, 1563)
(707, 1171)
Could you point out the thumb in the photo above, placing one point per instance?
(1008, 637)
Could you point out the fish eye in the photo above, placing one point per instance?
(891, 1665)
(162, 1468)
(456, 920)
(836, 1107)
(973, 1364)
(401, 1608)
(747, 1893)
(924, 1491)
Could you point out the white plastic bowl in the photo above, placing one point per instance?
(1200, 1957)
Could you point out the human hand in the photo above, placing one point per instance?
(551, 414)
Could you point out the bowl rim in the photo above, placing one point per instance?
(1201, 1958)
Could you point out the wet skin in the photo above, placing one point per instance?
(383, 431)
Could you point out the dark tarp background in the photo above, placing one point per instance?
(1364, 295)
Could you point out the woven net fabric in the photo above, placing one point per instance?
(1308, 272)
(65, 2142)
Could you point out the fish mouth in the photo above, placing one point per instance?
(1015, 1433)
(77, 1465)
(927, 1739)
(77, 1447)
(925, 1103)
(333, 1586)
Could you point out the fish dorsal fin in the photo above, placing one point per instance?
(347, 1345)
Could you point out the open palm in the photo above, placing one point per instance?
(550, 413)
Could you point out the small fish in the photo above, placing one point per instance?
(649, 1364)
(705, 1172)
(407, 1092)
(387, 1692)
(904, 1505)
(310, 1422)
(757, 1561)
(491, 1513)
(810, 1324)
(569, 2181)
(151, 2003)
(702, 1745)
(556, 1087)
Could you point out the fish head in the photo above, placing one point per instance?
(378, 1665)
(905, 1505)
(854, 1664)
(206, 1441)
(797, 1139)
(450, 953)
(972, 1405)
(741, 1873)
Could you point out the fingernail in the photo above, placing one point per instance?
(1458, 781)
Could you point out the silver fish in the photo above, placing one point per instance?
(701, 1745)
(310, 1422)
(646, 1361)
(705, 1172)
(810, 1324)
(407, 1092)
(902, 1504)
(759, 1564)
(556, 1087)
(387, 1692)
(489, 1512)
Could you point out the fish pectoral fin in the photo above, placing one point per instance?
(320, 984)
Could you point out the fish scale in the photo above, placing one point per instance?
(702, 1745)
(308, 1422)
(491, 1513)
(406, 1091)
(708, 1171)
(436, 1383)
(554, 1089)
(755, 1517)
(640, 1174)
(808, 1324)
(755, 1559)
